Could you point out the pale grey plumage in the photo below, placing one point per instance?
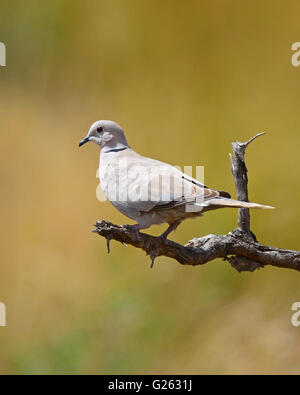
(149, 191)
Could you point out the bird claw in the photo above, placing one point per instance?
(135, 228)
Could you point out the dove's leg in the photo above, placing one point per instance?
(144, 223)
(136, 228)
(170, 229)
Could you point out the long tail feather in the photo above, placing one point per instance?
(224, 202)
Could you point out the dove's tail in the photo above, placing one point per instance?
(226, 202)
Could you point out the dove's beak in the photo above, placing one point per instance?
(86, 140)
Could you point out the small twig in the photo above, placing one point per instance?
(108, 243)
(253, 138)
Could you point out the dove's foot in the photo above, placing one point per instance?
(136, 228)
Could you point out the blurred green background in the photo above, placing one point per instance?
(184, 79)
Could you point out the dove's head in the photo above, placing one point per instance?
(106, 134)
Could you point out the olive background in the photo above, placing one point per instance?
(184, 80)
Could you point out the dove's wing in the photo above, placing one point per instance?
(145, 184)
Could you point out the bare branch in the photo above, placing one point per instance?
(240, 247)
(242, 254)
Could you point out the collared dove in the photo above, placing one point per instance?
(147, 190)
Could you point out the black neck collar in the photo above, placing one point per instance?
(116, 150)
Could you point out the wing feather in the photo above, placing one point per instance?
(145, 184)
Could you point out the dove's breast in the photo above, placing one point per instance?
(117, 180)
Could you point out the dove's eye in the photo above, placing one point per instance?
(100, 129)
